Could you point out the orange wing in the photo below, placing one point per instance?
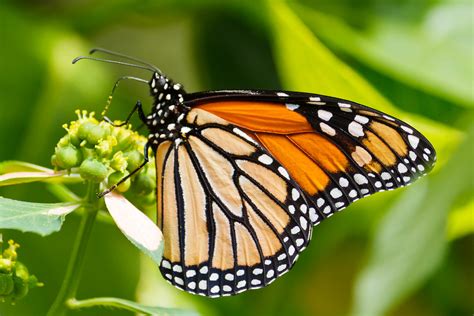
(336, 150)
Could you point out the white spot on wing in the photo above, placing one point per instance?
(360, 179)
(389, 118)
(283, 172)
(303, 223)
(327, 129)
(343, 182)
(244, 135)
(291, 250)
(407, 129)
(291, 106)
(313, 216)
(356, 129)
(324, 115)
(166, 264)
(295, 230)
(402, 168)
(336, 193)
(361, 119)
(295, 195)
(413, 140)
(265, 159)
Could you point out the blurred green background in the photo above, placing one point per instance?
(406, 252)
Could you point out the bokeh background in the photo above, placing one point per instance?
(406, 252)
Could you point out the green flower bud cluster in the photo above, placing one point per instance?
(102, 153)
(15, 280)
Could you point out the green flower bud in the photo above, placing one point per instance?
(21, 280)
(6, 265)
(74, 140)
(134, 159)
(95, 134)
(116, 177)
(93, 170)
(105, 146)
(119, 162)
(67, 157)
(54, 160)
(10, 252)
(6, 284)
(64, 141)
(17, 281)
(88, 153)
(143, 184)
(85, 128)
(124, 139)
(103, 153)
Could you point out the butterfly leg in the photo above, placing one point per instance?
(145, 161)
(137, 108)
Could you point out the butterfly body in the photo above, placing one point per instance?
(166, 120)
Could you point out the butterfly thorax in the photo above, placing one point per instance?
(168, 112)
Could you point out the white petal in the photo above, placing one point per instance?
(135, 225)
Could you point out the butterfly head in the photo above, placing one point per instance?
(168, 112)
(164, 89)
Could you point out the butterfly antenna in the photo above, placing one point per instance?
(75, 60)
(109, 99)
(112, 53)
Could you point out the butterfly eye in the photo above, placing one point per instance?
(161, 81)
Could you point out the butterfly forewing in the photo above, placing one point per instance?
(337, 151)
(231, 216)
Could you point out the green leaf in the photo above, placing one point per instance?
(305, 64)
(433, 55)
(129, 305)
(17, 172)
(21, 166)
(40, 218)
(460, 221)
(135, 225)
(410, 241)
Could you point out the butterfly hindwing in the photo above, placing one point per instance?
(231, 216)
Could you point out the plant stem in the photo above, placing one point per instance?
(71, 280)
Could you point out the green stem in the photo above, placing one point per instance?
(71, 280)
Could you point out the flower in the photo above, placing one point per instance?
(15, 279)
(102, 153)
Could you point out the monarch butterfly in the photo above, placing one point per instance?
(243, 176)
